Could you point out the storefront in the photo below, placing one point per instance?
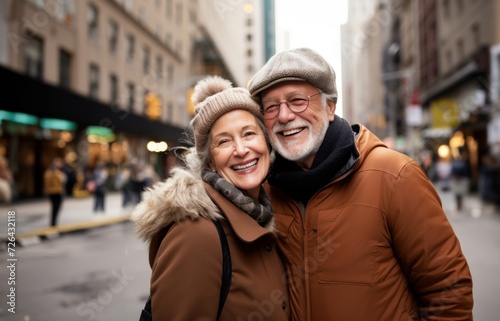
(40, 122)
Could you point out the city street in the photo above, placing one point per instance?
(98, 275)
(478, 229)
(102, 274)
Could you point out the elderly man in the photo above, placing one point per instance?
(361, 227)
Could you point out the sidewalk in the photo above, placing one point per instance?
(32, 218)
(473, 206)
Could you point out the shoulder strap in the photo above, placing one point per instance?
(146, 313)
(226, 267)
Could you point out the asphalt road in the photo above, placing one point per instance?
(97, 275)
(103, 275)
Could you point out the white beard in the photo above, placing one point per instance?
(309, 148)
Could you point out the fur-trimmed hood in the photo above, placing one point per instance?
(180, 197)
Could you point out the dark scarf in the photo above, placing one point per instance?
(334, 152)
(262, 212)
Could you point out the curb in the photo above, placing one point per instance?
(48, 233)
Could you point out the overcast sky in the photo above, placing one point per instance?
(314, 24)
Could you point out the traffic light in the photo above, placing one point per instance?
(153, 106)
(190, 104)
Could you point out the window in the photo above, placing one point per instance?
(157, 30)
(168, 39)
(130, 96)
(169, 8)
(65, 11)
(94, 81)
(178, 11)
(113, 36)
(113, 90)
(143, 16)
(449, 58)
(460, 49)
(159, 67)
(64, 69)
(33, 57)
(129, 5)
(497, 83)
(170, 74)
(145, 101)
(38, 3)
(476, 34)
(130, 48)
(170, 111)
(460, 6)
(446, 8)
(92, 21)
(146, 59)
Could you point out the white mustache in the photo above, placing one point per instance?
(279, 127)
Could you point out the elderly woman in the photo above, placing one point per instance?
(221, 182)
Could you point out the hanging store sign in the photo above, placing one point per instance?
(444, 113)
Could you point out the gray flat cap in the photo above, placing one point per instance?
(302, 64)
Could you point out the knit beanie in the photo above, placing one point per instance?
(213, 97)
(302, 64)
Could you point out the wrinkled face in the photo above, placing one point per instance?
(297, 136)
(239, 152)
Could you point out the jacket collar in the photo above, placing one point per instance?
(244, 226)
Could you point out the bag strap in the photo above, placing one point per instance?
(226, 267)
(146, 313)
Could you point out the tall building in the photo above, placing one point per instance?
(363, 39)
(96, 80)
(455, 74)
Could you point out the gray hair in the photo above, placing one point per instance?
(325, 97)
(197, 161)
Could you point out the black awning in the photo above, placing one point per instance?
(27, 95)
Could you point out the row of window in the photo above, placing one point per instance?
(460, 49)
(129, 6)
(130, 46)
(33, 62)
(61, 10)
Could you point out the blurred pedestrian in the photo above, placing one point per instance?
(136, 184)
(70, 173)
(124, 185)
(99, 178)
(489, 180)
(54, 180)
(460, 176)
(6, 181)
(427, 164)
(148, 176)
(443, 173)
(222, 185)
(361, 227)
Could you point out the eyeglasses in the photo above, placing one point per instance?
(296, 103)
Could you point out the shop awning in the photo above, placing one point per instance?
(27, 95)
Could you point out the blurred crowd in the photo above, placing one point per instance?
(61, 180)
(455, 175)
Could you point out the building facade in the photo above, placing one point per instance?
(440, 68)
(456, 89)
(97, 80)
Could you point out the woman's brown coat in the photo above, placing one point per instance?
(187, 261)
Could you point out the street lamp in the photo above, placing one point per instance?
(157, 147)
